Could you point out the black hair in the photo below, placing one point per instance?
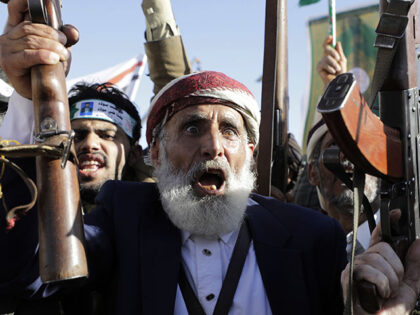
(106, 92)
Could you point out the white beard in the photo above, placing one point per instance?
(209, 216)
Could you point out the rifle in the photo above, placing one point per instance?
(60, 225)
(389, 147)
(272, 152)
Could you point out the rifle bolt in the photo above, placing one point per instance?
(413, 109)
(409, 136)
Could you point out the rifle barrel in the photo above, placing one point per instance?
(60, 225)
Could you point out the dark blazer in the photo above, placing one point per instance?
(132, 244)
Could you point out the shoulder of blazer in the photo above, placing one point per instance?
(303, 224)
(127, 197)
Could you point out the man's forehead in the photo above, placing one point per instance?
(221, 112)
(92, 123)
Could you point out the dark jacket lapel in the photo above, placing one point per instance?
(281, 268)
(160, 257)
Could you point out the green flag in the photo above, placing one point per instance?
(306, 2)
(356, 32)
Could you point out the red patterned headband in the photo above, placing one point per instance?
(207, 87)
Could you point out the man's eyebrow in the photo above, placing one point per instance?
(189, 118)
(231, 122)
(86, 129)
(105, 129)
(81, 129)
(194, 118)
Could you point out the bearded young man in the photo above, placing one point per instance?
(107, 129)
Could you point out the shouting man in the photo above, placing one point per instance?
(151, 246)
(107, 130)
(106, 144)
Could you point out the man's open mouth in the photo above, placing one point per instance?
(90, 163)
(210, 182)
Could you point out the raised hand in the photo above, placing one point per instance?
(25, 44)
(398, 286)
(333, 62)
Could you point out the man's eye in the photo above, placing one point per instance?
(229, 132)
(108, 136)
(192, 129)
(79, 136)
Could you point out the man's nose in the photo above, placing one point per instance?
(212, 145)
(90, 143)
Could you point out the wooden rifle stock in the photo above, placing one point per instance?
(364, 139)
(389, 147)
(61, 251)
(272, 150)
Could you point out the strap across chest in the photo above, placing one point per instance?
(230, 283)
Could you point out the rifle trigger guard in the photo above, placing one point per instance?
(67, 147)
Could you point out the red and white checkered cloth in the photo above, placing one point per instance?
(207, 87)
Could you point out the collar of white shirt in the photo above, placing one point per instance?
(228, 239)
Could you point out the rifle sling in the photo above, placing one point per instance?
(390, 30)
(18, 211)
(230, 283)
(358, 184)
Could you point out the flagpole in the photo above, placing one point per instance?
(332, 22)
(133, 86)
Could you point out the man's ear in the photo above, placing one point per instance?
(313, 174)
(251, 146)
(135, 154)
(155, 153)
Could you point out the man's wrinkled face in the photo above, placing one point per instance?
(101, 148)
(203, 167)
(333, 189)
(202, 133)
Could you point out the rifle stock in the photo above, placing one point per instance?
(61, 251)
(356, 128)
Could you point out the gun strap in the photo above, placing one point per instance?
(358, 184)
(230, 283)
(391, 28)
(17, 212)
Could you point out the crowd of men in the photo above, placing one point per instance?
(186, 234)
